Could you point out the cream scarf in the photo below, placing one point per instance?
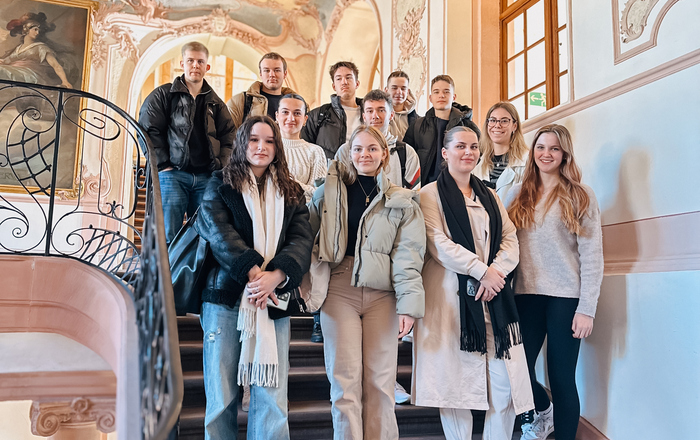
(258, 364)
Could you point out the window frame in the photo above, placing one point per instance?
(553, 71)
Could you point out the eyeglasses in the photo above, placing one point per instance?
(494, 121)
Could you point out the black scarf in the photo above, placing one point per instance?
(504, 315)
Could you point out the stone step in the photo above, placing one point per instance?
(302, 353)
(189, 328)
(311, 420)
(305, 383)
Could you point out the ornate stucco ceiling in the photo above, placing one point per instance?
(263, 15)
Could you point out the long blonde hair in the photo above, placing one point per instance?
(572, 196)
(518, 148)
(350, 174)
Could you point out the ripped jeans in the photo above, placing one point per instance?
(267, 416)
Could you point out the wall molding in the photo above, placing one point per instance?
(57, 384)
(634, 82)
(586, 431)
(631, 24)
(659, 244)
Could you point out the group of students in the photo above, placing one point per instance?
(500, 248)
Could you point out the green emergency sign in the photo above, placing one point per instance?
(538, 99)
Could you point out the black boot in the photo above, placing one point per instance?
(316, 334)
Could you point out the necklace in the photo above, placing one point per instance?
(365, 192)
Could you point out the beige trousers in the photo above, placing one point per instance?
(457, 424)
(360, 329)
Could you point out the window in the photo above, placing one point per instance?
(227, 77)
(534, 55)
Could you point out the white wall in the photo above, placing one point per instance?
(638, 372)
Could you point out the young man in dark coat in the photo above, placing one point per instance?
(331, 125)
(192, 133)
(426, 133)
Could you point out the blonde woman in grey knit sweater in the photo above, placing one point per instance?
(558, 280)
(307, 162)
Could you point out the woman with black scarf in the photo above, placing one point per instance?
(467, 349)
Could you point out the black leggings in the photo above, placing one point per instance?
(552, 317)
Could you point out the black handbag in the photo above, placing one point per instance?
(296, 306)
(190, 257)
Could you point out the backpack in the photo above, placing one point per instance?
(247, 105)
(401, 152)
(190, 258)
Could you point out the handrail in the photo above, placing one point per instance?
(68, 212)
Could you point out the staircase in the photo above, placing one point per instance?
(309, 389)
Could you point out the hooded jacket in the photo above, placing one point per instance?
(225, 223)
(168, 115)
(402, 120)
(327, 126)
(258, 104)
(390, 244)
(422, 135)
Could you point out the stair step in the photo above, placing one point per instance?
(190, 329)
(312, 420)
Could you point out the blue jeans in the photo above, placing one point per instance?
(181, 192)
(267, 415)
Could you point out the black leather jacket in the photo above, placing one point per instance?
(422, 135)
(167, 115)
(327, 126)
(224, 222)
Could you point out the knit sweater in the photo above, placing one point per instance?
(555, 262)
(307, 162)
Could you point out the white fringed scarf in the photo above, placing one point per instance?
(258, 364)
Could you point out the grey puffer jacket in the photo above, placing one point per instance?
(168, 114)
(391, 239)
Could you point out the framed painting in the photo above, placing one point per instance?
(43, 42)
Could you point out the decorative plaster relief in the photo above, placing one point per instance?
(406, 18)
(632, 24)
(336, 16)
(102, 29)
(148, 9)
(48, 417)
(90, 185)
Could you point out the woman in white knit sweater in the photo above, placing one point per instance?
(558, 280)
(307, 162)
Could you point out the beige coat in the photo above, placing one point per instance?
(443, 375)
(390, 241)
(512, 175)
(258, 106)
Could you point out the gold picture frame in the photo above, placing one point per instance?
(35, 35)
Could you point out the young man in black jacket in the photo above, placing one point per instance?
(426, 133)
(192, 133)
(331, 125)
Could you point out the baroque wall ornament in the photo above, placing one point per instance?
(412, 49)
(48, 417)
(102, 29)
(633, 23)
(336, 16)
(634, 18)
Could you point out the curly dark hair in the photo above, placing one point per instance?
(236, 172)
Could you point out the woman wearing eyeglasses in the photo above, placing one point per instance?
(504, 150)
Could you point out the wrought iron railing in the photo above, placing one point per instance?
(58, 197)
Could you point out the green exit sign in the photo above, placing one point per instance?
(538, 99)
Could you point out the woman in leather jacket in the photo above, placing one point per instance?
(254, 217)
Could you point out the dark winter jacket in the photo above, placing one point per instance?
(422, 135)
(168, 114)
(225, 223)
(327, 126)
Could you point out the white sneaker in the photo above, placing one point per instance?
(400, 394)
(541, 427)
(245, 404)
